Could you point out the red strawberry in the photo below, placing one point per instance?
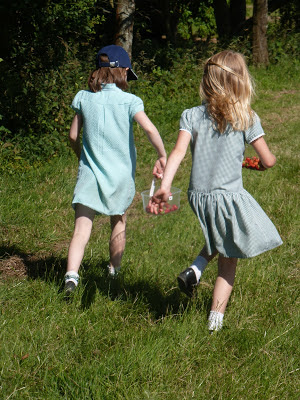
(252, 163)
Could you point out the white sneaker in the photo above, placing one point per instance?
(215, 321)
(71, 282)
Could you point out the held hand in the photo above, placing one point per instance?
(158, 200)
(159, 167)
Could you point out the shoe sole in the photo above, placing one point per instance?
(69, 289)
(183, 287)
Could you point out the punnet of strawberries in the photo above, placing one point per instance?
(253, 163)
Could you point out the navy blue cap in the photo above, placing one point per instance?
(118, 58)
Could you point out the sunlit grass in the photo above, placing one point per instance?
(137, 337)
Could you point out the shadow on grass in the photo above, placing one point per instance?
(159, 300)
(139, 291)
(16, 264)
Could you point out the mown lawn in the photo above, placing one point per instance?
(138, 337)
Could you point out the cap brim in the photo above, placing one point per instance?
(131, 76)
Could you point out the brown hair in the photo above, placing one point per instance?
(227, 88)
(107, 75)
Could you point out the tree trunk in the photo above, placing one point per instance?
(260, 24)
(273, 5)
(237, 14)
(168, 19)
(124, 24)
(222, 16)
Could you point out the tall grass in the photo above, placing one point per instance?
(138, 337)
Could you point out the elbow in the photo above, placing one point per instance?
(73, 139)
(270, 162)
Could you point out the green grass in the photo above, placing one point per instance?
(138, 338)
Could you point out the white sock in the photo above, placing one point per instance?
(215, 321)
(198, 266)
(113, 270)
(72, 276)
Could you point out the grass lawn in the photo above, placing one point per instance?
(138, 337)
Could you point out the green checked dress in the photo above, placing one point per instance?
(106, 174)
(233, 223)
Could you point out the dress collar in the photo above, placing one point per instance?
(108, 86)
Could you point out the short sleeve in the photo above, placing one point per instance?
(136, 106)
(255, 131)
(76, 103)
(185, 121)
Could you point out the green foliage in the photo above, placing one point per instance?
(283, 33)
(50, 50)
(39, 73)
(279, 42)
(44, 29)
(41, 115)
(289, 16)
(199, 25)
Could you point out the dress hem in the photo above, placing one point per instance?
(248, 256)
(96, 211)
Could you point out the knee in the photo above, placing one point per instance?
(118, 222)
(81, 237)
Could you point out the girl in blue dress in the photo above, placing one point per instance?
(233, 223)
(107, 158)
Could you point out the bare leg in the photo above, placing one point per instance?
(117, 240)
(224, 283)
(83, 226)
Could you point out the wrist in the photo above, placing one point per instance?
(165, 187)
(161, 155)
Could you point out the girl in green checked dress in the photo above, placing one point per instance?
(107, 159)
(233, 223)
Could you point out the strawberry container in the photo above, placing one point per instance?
(173, 204)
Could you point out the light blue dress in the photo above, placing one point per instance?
(233, 223)
(106, 174)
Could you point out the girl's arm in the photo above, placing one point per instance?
(176, 156)
(74, 134)
(156, 141)
(267, 159)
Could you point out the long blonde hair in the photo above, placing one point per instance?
(107, 75)
(227, 89)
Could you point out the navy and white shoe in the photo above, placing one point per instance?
(187, 281)
(71, 282)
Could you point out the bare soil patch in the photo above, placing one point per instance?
(13, 267)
